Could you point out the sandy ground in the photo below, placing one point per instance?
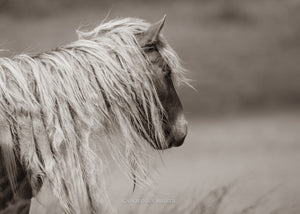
(259, 153)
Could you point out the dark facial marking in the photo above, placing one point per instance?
(175, 126)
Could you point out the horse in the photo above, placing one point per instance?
(120, 78)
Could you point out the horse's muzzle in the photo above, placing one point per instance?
(179, 132)
(175, 134)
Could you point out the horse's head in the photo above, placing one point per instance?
(174, 122)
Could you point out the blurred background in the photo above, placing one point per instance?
(243, 59)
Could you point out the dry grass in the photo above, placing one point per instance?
(211, 203)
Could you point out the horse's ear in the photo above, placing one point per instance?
(151, 35)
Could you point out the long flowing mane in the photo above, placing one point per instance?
(50, 102)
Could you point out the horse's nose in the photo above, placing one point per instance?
(180, 131)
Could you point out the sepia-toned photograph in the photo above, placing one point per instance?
(149, 106)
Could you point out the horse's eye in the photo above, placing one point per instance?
(166, 70)
(149, 47)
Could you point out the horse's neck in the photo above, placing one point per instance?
(19, 202)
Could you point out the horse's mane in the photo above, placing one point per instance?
(50, 102)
